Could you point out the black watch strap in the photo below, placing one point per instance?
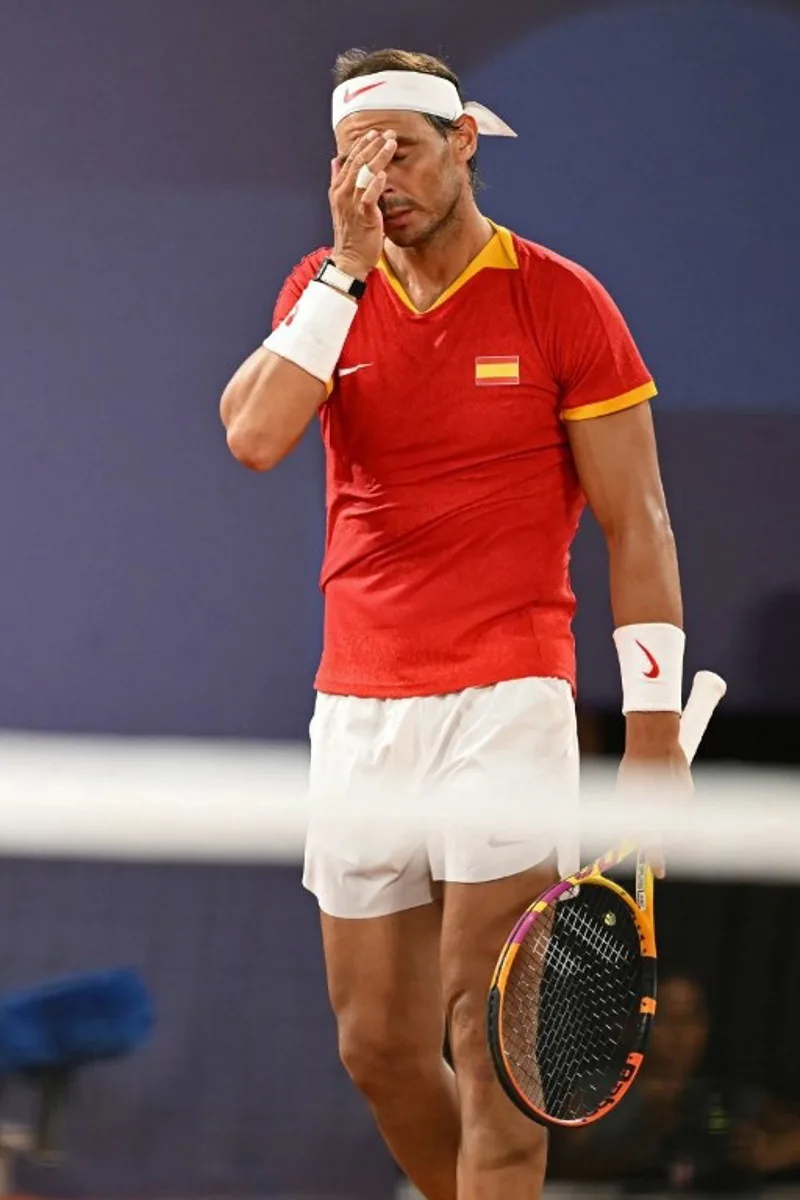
(329, 273)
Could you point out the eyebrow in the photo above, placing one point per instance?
(402, 141)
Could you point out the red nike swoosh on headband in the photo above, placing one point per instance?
(655, 669)
(348, 95)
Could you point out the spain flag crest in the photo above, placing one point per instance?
(501, 369)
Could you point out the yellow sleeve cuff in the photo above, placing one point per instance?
(601, 408)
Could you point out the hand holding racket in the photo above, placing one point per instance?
(574, 990)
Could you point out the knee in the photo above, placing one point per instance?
(378, 1060)
(466, 1013)
(367, 1058)
(495, 1137)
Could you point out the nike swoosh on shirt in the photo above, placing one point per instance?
(349, 96)
(357, 367)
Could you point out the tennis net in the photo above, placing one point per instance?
(181, 859)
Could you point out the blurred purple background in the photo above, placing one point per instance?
(164, 166)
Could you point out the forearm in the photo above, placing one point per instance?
(266, 407)
(643, 566)
(645, 587)
(274, 395)
(617, 464)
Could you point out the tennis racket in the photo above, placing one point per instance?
(574, 990)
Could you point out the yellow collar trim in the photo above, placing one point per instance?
(498, 254)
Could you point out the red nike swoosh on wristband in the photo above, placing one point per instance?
(655, 669)
(349, 96)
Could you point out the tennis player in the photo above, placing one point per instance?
(474, 390)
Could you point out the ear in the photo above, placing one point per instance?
(466, 138)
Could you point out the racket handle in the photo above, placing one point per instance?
(707, 691)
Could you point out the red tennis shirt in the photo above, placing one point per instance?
(452, 499)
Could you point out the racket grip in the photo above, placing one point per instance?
(707, 691)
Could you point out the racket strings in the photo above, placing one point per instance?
(571, 1002)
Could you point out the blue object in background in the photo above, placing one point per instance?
(74, 1021)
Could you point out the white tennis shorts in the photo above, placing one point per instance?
(407, 793)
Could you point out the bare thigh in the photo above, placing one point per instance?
(385, 987)
(383, 976)
(477, 919)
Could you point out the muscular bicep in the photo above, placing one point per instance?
(617, 464)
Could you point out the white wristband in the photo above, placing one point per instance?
(314, 333)
(651, 665)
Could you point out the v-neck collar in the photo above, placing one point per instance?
(497, 254)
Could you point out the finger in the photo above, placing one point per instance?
(372, 194)
(356, 158)
(380, 155)
(364, 178)
(376, 166)
(655, 859)
(379, 150)
(343, 167)
(376, 155)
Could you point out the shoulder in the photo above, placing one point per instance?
(551, 270)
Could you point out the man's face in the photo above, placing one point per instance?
(680, 1030)
(426, 177)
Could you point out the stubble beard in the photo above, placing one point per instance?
(439, 229)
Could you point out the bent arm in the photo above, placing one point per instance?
(267, 407)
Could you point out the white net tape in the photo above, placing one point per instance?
(126, 799)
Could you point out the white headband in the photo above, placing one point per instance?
(412, 91)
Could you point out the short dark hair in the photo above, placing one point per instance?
(355, 62)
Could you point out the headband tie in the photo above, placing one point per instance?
(412, 91)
